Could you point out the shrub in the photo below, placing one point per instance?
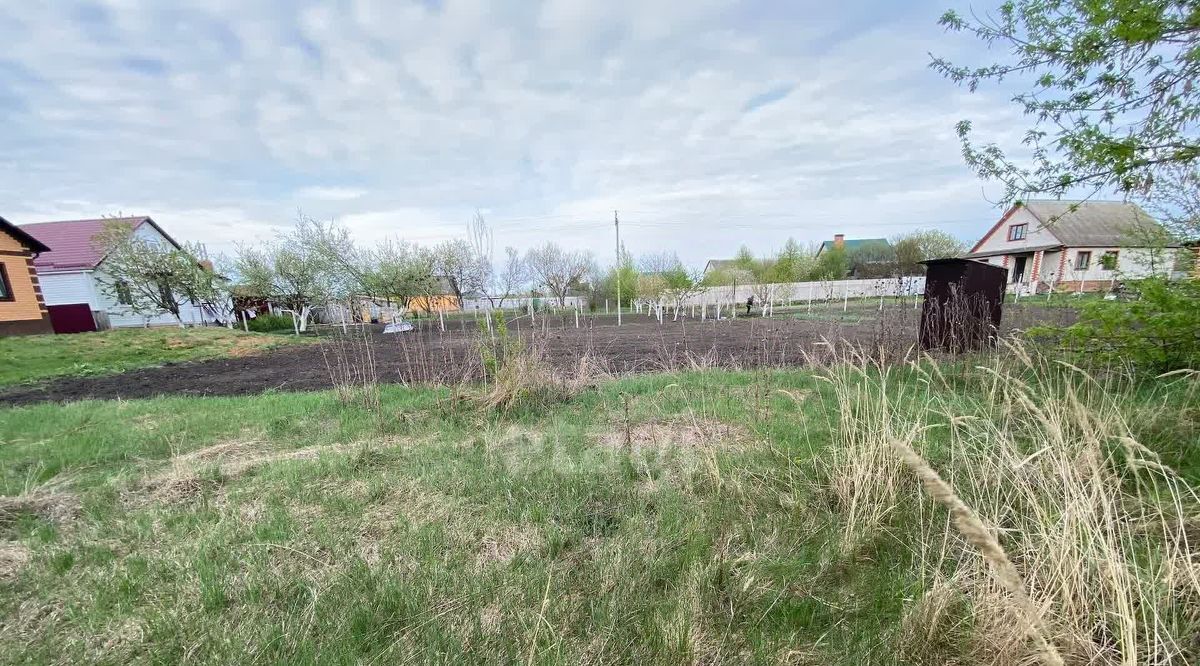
(1157, 330)
(267, 323)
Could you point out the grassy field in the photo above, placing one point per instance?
(705, 517)
(30, 358)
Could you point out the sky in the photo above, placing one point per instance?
(707, 124)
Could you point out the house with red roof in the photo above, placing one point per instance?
(72, 271)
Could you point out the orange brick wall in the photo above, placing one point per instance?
(27, 295)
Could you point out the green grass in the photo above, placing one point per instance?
(433, 532)
(30, 358)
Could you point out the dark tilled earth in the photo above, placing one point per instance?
(430, 355)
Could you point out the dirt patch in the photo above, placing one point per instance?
(13, 557)
(249, 346)
(431, 355)
(676, 433)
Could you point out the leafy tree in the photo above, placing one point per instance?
(399, 271)
(293, 270)
(833, 264)
(921, 245)
(744, 259)
(792, 264)
(151, 277)
(626, 273)
(1110, 86)
(1158, 331)
(330, 246)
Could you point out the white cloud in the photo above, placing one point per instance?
(400, 119)
(330, 193)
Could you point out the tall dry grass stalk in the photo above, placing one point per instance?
(350, 361)
(1089, 538)
(979, 536)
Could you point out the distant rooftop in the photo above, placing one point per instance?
(851, 244)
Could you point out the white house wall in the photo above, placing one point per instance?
(1132, 263)
(1035, 234)
(121, 316)
(68, 288)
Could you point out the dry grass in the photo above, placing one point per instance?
(1088, 538)
(676, 433)
(13, 556)
(525, 378)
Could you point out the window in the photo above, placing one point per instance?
(1083, 260)
(164, 291)
(1108, 261)
(124, 296)
(1017, 232)
(6, 293)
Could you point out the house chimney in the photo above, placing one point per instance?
(839, 240)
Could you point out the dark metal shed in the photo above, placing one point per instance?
(963, 302)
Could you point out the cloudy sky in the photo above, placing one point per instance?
(707, 123)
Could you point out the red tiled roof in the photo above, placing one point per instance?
(70, 242)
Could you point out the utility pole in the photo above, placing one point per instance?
(617, 225)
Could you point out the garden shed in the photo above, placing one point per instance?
(963, 303)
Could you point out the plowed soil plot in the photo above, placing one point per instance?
(429, 354)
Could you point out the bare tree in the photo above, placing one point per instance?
(456, 261)
(657, 262)
(557, 269)
(479, 235)
(513, 278)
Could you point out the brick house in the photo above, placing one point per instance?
(1076, 245)
(22, 310)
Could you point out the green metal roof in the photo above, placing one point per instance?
(854, 244)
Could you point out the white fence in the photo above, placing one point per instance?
(523, 302)
(802, 292)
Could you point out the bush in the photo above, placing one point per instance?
(266, 323)
(1157, 330)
